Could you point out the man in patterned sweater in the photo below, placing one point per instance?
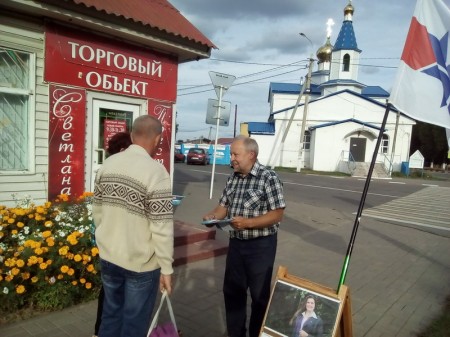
(133, 215)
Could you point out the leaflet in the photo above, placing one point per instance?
(223, 224)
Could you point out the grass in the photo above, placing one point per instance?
(439, 327)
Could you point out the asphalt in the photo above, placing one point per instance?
(398, 276)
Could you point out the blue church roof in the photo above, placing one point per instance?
(290, 88)
(346, 38)
(261, 128)
(374, 91)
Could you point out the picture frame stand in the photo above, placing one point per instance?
(333, 309)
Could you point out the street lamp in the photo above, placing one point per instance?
(304, 87)
(303, 34)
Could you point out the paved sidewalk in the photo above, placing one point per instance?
(398, 277)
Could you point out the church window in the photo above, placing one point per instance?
(306, 140)
(346, 63)
(385, 144)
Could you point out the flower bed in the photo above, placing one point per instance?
(48, 258)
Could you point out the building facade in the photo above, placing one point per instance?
(72, 74)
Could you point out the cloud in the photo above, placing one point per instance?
(259, 43)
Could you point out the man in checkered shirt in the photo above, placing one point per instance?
(253, 199)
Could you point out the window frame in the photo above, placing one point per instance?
(31, 111)
(346, 63)
(384, 146)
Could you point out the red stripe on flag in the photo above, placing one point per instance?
(418, 52)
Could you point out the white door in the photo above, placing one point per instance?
(108, 118)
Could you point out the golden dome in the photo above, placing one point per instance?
(349, 9)
(324, 52)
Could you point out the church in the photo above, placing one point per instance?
(332, 123)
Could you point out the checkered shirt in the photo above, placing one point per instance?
(253, 195)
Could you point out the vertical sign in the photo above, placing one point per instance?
(66, 141)
(163, 111)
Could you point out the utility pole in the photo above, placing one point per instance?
(300, 162)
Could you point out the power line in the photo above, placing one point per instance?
(297, 63)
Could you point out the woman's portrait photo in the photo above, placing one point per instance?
(298, 312)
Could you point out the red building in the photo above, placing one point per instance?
(75, 72)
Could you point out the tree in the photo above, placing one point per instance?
(431, 141)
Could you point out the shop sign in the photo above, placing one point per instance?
(87, 60)
(163, 111)
(66, 141)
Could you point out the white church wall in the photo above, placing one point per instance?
(329, 144)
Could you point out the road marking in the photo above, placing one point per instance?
(340, 189)
(425, 208)
(397, 182)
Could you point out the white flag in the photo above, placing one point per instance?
(422, 85)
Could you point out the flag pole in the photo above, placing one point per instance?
(363, 200)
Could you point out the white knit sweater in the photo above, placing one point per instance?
(133, 212)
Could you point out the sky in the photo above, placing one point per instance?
(259, 42)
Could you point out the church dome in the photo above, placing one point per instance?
(349, 9)
(324, 52)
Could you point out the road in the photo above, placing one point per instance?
(401, 201)
(399, 270)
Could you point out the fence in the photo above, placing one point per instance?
(223, 156)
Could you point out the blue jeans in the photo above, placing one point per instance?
(249, 266)
(129, 301)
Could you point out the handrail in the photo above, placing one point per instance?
(351, 163)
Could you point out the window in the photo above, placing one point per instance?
(346, 63)
(306, 140)
(15, 89)
(385, 144)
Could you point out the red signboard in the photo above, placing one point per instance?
(85, 60)
(66, 141)
(163, 111)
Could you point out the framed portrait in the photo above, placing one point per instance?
(299, 307)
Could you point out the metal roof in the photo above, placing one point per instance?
(374, 91)
(290, 88)
(261, 128)
(159, 14)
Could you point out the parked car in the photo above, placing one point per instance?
(197, 156)
(179, 156)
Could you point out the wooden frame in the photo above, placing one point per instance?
(289, 293)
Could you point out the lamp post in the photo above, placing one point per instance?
(300, 160)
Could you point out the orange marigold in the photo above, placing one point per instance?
(94, 251)
(20, 289)
(46, 234)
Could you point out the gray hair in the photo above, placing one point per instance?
(249, 143)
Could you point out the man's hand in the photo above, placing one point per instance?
(165, 283)
(239, 223)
